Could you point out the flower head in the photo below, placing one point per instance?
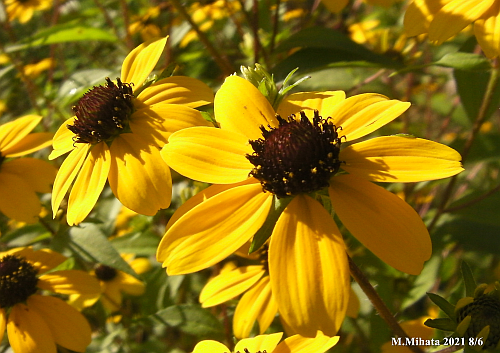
(116, 134)
(37, 322)
(445, 18)
(277, 167)
(22, 178)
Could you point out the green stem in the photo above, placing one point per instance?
(379, 305)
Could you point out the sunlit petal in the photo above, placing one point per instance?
(259, 343)
(130, 284)
(487, 31)
(240, 107)
(69, 282)
(3, 323)
(13, 132)
(24, 167)
(383, 222)
(299, 344)
(209, 346)
(310, 101)
(419, 14)
(31, 143)
(63, 140)
(43, 260)
(400, 159)
(18, 200)
(308, 268)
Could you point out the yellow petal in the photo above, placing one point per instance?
(384, 223)
(31, 143)
(310, 101)
(138, 176)
(158, 122)
(141, 61)
(240, 107)
(299, 344)
(419, 14)
(112, 296)
(68, 327)
(28, 331)
(18, 200)
(89, 184)
(130, 285)
(400, 159)
(67, 173)
(208, 154)
(69, 282)
(259, 343)
(13, 132)
(335, 6)
(209, 346)
(487, 31)
(256, 304)
(306, 247)
(63, 140)
(178, 90)
(455, 16)
(214, 229)
(3, 323)
(364, 113)
(38, 174)
(230, 284)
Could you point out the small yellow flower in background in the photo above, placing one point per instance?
(23, 10)
(257, 155)
(22, 178)
(34, 70)
(336, 6)
(444, 19)
(117, 133)
(144, 24)
(35, 322)
(113, 283)
(269, 344)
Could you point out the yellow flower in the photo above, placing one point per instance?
(35, 322)
(22, 178)
(336, 6)
(23, 9)
(257, 155)
(144, 24)
(269, 343)
(117, 133)
(443, 19)
(34, 70)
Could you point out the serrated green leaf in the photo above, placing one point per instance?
(443, 304)
(464, 61)
(469, 281)
(441, 324)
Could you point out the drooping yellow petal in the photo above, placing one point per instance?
(63, 140)
(240, 107)
(455, 16)
(69, 282)
(31, 143)
(159, 121)
(487, 31)
(214, 229)
(141, 61)
(208, 154)
(67, 173)
(306, 248)
(138, 176)
(230, 284)
(259, 343)
(400, 159)
(28, 332)
(256, 304)
(209, 346)
(384, 223)
(299, 344)
(13, 132)
(364, 113)
(178, 90)
(18, 200)
(38, 174)
(68, 327)
(310, 101)
(89, 184)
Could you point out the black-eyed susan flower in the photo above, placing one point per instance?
(269, 344)
(259, 158)
(23, 10)
(36, 322)
(444, 19)
(22, 178)
(117, 133)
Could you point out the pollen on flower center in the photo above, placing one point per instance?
(299, 156)
(18, 280)
(105, 273)
(103, 112)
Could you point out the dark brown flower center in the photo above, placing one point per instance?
(297, 157)
(105, 273)
(18, 280)
(245, 350)
(484, 311)
(2, 158)
(103, 113)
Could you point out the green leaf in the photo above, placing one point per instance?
(140, 243)
(190, 319)
(441, 324)
(469, 281)
(447, 307)
(267, 228)
(424, 282)
(464, 61)
(90, 243)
